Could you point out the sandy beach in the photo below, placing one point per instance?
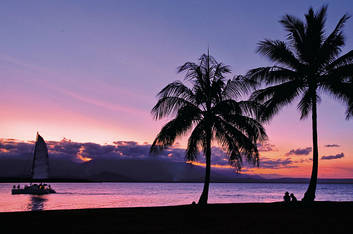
(322, 217)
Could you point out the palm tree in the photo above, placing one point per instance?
(306, 65)
(209, 111)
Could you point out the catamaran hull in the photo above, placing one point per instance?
(32, 191)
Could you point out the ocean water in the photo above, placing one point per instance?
(98, 195)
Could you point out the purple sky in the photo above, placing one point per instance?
(89, 70)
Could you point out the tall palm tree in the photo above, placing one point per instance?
(204, 104)
(306, 65)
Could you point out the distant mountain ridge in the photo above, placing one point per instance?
(135, 170)
(112, 177)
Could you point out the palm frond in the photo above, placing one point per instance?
(314, 34)
(226, 106)
(237, 87)
(251, 108)
(339, 83)
(170, 105)
(341, 73)
(249, 126)
(332, 45)
(296, 32)
(184, 120)
(247, 147)
(272, 75)
(349, 111)
(345, 59)
(305, 104)
(176, 89)
(229, 146)
(195, 142)
(220, 69)
(194, 73)
(278, 52)
(275, 97)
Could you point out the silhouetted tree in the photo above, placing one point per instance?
(208, 108)
(306, 65)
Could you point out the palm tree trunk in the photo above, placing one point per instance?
(204, 195)
(309, 195)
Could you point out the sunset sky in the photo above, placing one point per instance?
(89, 71)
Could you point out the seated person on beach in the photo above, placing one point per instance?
(293, 198)
(286, 197)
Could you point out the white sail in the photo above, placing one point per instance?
(40, 167)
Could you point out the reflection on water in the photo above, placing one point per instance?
(36, 202)
(99, 195)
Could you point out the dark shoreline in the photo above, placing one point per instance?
(321, 217)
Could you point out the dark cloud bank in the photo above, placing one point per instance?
(120, 161)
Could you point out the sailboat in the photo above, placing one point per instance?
(40, 171)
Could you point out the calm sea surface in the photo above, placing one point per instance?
(97, 195)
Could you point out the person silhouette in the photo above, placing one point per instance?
(286, 197)
(293, 199)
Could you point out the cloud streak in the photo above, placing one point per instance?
(332, 145)
(103, 104)
(330, 157)
(276, 163)
(299, 151)
(266, 147)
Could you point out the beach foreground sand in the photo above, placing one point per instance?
(322, 217)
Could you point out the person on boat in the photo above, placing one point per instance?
(14, 186)
(293, 199)
(18, 186)
(286, 197)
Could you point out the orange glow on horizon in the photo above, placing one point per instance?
(212, 165)
(4, 150)
(80, 156)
